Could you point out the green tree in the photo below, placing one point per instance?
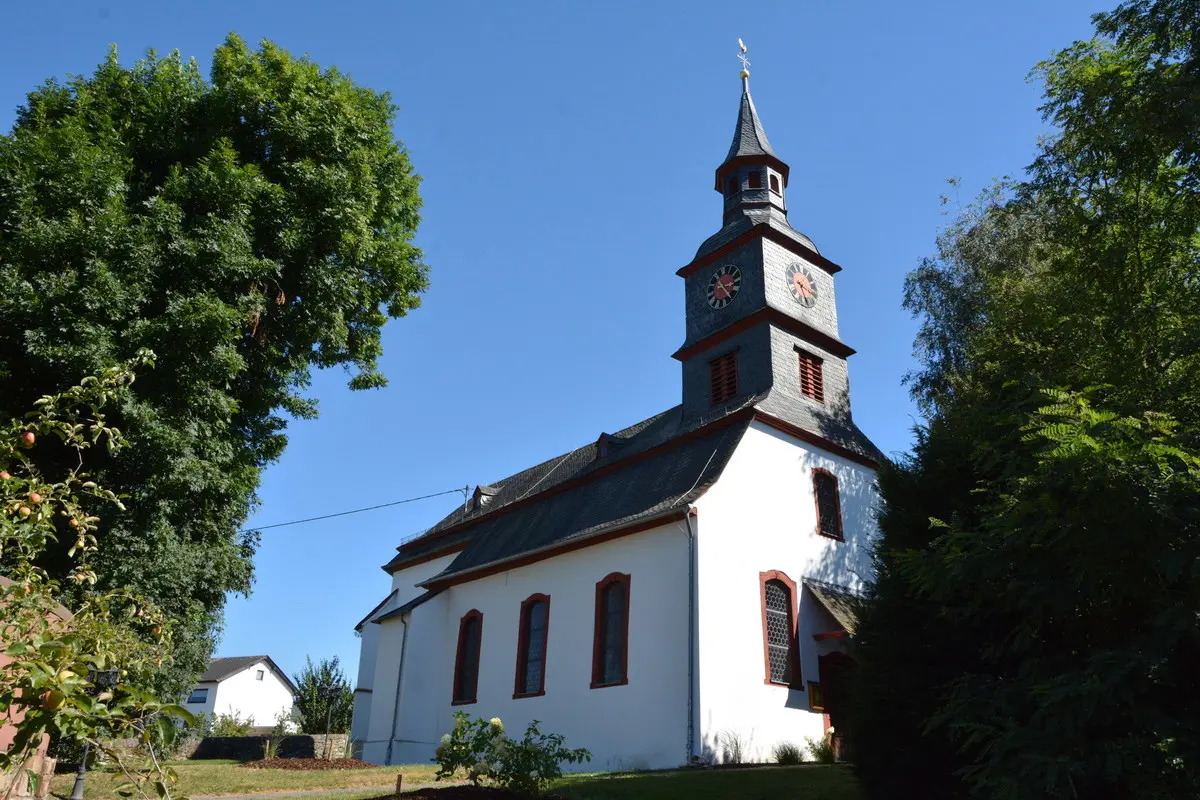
(246, 228)
(1033, 626)
(324, 697)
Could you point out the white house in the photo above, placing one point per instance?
(676, 584)
(252, 687)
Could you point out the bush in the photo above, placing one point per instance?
(822, 749)
(735, 748)
(788, 753)
(231, 725)
(481, 749)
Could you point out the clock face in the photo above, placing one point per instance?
(802, 285)
(724, 285)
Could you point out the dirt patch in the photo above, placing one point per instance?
(308, 764)
(466, 793)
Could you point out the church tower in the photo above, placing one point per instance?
(762, 326)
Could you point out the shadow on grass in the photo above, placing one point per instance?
(812, 782)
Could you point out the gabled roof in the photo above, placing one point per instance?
(221, 668)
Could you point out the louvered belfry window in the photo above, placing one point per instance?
(755, 181)
(778, 610)
(812, 382)
(829, 507)
(723, 378)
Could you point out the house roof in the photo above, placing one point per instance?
(420, 599)
(838, 602)
(375, 610)
(221, 668)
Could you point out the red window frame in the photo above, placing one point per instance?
(460, 696)
(836, 530)
(523, 646)
(598, 631)
(794, 642)
(723, 378)
(774, 181)
(812, 375)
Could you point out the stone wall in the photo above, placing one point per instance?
(252, 748)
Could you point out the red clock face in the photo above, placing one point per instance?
(724, 285)
(802, 284)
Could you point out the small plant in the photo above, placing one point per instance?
(481, 749)
(822, 749)
(231, 725)
(788, 753)
(735, 747)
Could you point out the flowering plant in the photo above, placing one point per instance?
(484, 752)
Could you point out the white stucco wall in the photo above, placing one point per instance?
(377, 669)
(205, 708)
(761, 516)
(245, 695)
(638, 725)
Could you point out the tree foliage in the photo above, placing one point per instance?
(1033, 628)
(324, 697)
(74, 674)
(246, 228)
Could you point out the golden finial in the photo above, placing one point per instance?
(745, 73)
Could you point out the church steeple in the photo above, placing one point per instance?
(751, 176)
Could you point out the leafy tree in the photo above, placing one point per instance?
(246, 228)
(324, 695)
(1033, 626)
(74, 674)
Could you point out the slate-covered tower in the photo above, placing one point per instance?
(762, 325)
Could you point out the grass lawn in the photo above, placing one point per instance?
(810, 782)
(768, 783)
(227, 777)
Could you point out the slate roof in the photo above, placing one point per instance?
(749, 138)
(221, 668)
(747, 219)
(838, 602)
(419, 600)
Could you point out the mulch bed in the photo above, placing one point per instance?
(308, 764)
(466, 793)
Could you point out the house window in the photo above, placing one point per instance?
(775, 183)
(259, 676)
(532, 639)
(755, 180)
(812, 380)
(722, 375)
(779, 629)
(610, 645)
(732, 185)
(829, 506)
(198, 695)
(466, 662)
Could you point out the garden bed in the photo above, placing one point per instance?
(308, 764)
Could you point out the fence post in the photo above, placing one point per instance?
(399, 781)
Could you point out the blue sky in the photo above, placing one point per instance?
(567, 152)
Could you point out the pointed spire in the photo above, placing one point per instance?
(749, 138)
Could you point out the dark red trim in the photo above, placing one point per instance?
(597, 629)
(764, 230)
(719, 423)
(459, 695)
(820, 637)
(793, 611)
(812, 438)
(777, 318)
(837, 499)
(397, 563)
(523, 645)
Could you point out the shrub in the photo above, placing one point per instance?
(481, 749)
(822, 749)
(735, 747)
(231, 725)
(788, 753)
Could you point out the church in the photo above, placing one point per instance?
(677, 590)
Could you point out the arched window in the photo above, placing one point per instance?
(610, 644)
(466, 662)
(732, 185)
(780, 651)
(755, 180)
(532, 639)
(775, 183)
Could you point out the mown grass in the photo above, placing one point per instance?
(811, 782)
(228, 777)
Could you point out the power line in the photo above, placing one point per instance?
(463, 491)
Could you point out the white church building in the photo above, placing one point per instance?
(674, 585)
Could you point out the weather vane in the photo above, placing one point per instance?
(745, 61)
